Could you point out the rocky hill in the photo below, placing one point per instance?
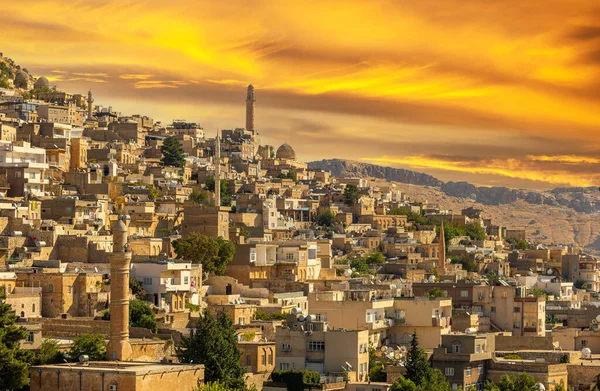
(11, 72)
(579, 199)
(349, 168)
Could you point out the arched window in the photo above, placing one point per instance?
(456, 347)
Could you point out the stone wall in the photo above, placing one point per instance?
(72, 248)
(581, 375)
(509, 343)
(73, 327)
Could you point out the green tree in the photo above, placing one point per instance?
(48, 353)
(297, 380)
(468, 264)
(172, 152)
(225, 193)
(520, 382)
(92, 345)
(417, 366)
(376, 372)
(141, 315)
(137, 288)
(213, 253)
(474, 231)
(436, 292)
(213, 344)
(260, 315)
(403, 384)
(199, 197)
(14, 371)
(326, 218)
(523, 245)
(359, 266)
(538, 292)
(375, 258)
(351, 195)
(579, 284)
(413, 217)
(214, 386)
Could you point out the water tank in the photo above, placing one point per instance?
(549, 272)
(301, 318)
(311, 318)
(471, 330)
(586, 353)
(17, 233)
(296, 311)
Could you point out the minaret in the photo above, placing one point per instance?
(442, 248)
(250, 108)
(119, 347)
(217, 163)
(90, 102)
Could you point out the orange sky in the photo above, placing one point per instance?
(496, 92)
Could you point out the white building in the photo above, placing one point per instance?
(169, 285)
(24, 167)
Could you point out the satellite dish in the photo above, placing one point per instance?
(549, 272)
(586, 353)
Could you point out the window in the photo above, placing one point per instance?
(516, 325)
(464, 293)
(584, 342)
(186, 280)
(456, 347)
(286, 347)
(69, 290)
(517, 309)
(480, 369)
(264, 359)
(147, 280)
(241, 321)
(284, 366)
(33, 307)
(30, 337)
(316, 346)
(248, 360)
(468, 372)
(493, 309)
(449, 371)
(477, 348)
(289, 256)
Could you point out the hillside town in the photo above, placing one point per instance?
(141, 255)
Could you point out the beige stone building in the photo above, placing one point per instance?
(306, 343)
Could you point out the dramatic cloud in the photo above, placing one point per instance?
(513, 86)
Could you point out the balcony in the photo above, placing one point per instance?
(381, 324)
(440, 321)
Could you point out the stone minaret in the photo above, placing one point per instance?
(90, 102)
(250, 108)
(442, 249)
(217, 163)
(118, 347)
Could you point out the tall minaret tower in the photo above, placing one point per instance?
(90, 102)
(250, 108)
(217, 163)
(442, 249)
(119, 347)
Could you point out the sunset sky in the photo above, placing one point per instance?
(495, 92)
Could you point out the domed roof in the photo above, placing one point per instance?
(21, 80)
(285, 151)
(42, 82)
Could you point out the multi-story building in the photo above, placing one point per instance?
(463, 359)
(354, 310)
(169, 285)
(430, 318)
(306, 343)
(24, 167)
(207, 220)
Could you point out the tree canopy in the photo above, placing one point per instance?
(326, 218)
(225, 193)
(213, 344)
(520, 382)
(351, 195)
(92, 345)
(14, 368)
(137, 288)
(419, 375)
(199, 197)
(140, 315)
(173, 155)
(413, 217)
(213, 253)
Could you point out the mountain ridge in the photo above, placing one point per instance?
(579, 199)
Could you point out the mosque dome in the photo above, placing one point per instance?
(22, 80)
(42, 82)
(285, 151)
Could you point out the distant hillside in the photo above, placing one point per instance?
(579, 199)
(349, 168)
(9, 70)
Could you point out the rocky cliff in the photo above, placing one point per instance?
(349, 168)
(579, 199)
